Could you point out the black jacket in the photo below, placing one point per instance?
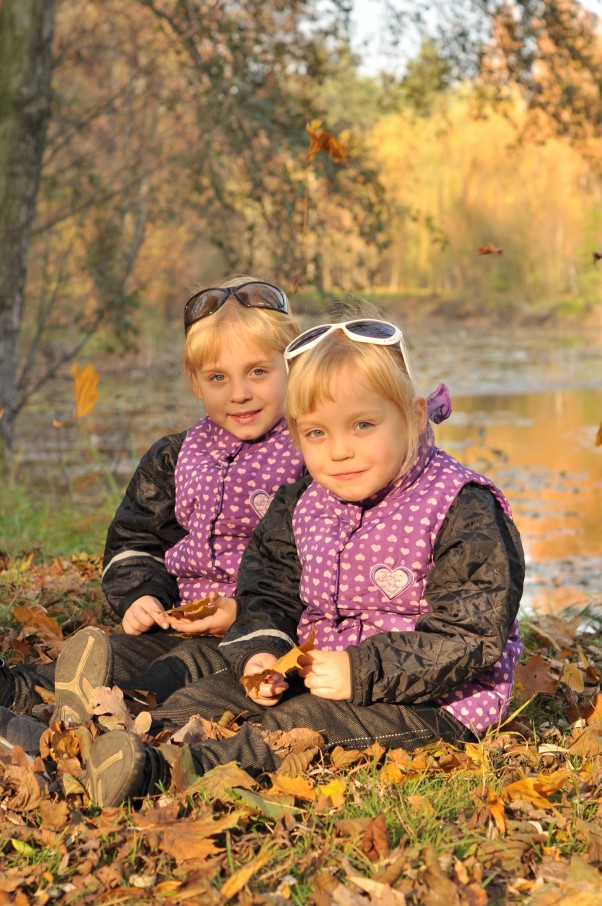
(474, 589)
(143, 529)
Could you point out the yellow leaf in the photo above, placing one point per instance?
(237, 881)
(298, 787)
(84, 387)
(335, 790)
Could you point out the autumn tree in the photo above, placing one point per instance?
(26, 30)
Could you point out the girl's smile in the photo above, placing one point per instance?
(244, 391)
(353, 444)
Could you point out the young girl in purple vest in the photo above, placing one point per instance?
(405, 565)
(188, 512)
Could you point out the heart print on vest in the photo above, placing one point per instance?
(392, 582)
(260, 501)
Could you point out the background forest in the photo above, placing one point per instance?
(182, 140)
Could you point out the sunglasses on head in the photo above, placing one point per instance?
(252, 294)
(365, 330)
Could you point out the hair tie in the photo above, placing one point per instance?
(438, 404)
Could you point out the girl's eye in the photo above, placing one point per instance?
(363, 425)
(258, 372)
(217, 378)
(315, 432)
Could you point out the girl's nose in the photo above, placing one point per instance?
(241, 391)
(339, 448)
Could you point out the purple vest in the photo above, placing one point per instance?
(223, 487)
(364, 570)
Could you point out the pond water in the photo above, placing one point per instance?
(527, 403)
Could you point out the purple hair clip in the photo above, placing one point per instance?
(438, 404)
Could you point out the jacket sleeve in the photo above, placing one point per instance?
(143, 529)
(267, 593)
(474, 590)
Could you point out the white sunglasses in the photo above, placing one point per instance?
(364, 330)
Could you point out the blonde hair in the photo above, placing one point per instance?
(271, 331)
(313, 373)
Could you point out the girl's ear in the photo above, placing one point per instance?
(420, 413)
(196, 387)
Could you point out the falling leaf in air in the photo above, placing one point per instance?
(490, 249)
(596, 256)
(288, 662)
(322, 140)
(85, 382)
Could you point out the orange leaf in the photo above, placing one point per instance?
(298, 787)
(284, 664)
(235, 883)
(84, 386)
(322, 140)
(498, 812)
(599, 436)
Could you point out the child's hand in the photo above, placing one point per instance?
(143, 613)
(327, 674)
(271, 690)
(217, 624)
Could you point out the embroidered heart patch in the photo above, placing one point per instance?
(391, 581)
(260, 501)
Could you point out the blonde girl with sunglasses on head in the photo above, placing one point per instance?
(187, 514)
(404, 567)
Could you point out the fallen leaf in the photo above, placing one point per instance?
(299, 787)
(335, 791)
(380, 893)
(498, 812)
(190, 839)
(226, 777)
(533, 677)
(375, 840)
(237, 881)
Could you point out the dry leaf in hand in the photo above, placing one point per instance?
(194, 610)
(288, 662)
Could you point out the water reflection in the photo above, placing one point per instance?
(539, 446)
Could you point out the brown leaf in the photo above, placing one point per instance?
(379, 893)
(296, 763)
(490, 249)
(183, 772)
(190, 839)
(35, 620)
(572, 677)
(299, 739)
(342, 758)
(54, 814)
(587, 744)
(598, 441)
(533, 677)
(375, 841)
(439, 890)
(111, 709)
(284, 664)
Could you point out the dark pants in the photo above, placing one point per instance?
(339, 723)
(158, 661)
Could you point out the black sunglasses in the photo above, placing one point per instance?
(253, 294)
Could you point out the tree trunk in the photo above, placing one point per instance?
(26, 30)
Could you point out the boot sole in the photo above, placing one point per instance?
(84, 664)
(115, 768)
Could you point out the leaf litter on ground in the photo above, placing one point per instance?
(514, 818)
